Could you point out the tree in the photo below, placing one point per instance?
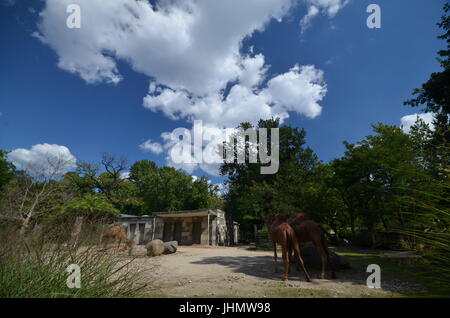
(435, 93)
(92, 206)
(324, 202)
(168, 189)
(253, 195)
(28, 195)
(6, 170)
(372, 173)
(435, 96)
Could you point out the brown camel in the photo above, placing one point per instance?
(307, 230)
(115, 232)
(282, 233)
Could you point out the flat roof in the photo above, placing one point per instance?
(173, 214)
(186, 213)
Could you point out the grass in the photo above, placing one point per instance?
(294, 292)
(36, 266)
(396, 268)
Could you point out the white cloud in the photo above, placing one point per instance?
(192, 51)
(184, 44)
(305, 22)
(223, 188)
(125, 175)
(409, 120)
(300, 90)
(44, 158)
(326, 7)
(153, 147)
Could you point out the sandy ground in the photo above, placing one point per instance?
(242, 272)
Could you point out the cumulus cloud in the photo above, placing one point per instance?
(300, 90)
(409, 120)
(184, 44)
(153, 147)
(192, 51)
(326, 7)
(43, 159)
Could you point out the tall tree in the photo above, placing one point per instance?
(434, 95)
(251, 194)
(6, 169)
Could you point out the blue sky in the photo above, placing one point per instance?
(368, 73)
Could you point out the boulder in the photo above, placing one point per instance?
(155, 248)
(312, 258)
(170, 247)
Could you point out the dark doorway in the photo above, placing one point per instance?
(132, 231)
(141, 233)
(177, 232)
(167, 232)
(196, 232)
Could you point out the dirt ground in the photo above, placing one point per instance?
(242, 272)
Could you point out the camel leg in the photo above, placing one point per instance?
(275, 256)
(286, 263)
(323, 258)
(302, 264)
(328, 258)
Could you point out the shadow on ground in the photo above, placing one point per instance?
(262, 266)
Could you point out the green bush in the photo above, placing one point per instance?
(262, 240)
(93, 206)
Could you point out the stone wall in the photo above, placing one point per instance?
(222, 237)
(144, 229)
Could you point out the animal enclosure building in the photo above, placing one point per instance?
(205, 227)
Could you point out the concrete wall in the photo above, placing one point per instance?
(221, 229)
(144, 229)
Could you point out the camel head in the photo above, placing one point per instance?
(299, 214)
(275, 219)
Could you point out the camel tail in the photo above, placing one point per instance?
(291, 240)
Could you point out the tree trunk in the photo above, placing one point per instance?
(25, 225)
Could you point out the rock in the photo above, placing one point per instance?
(313, 260)
(170, 247)
(155, 248)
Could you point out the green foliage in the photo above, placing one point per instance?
(253, 195)
(435, 93)
(91, 206)
(6, 169)
(369, 173)
(168, 189)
